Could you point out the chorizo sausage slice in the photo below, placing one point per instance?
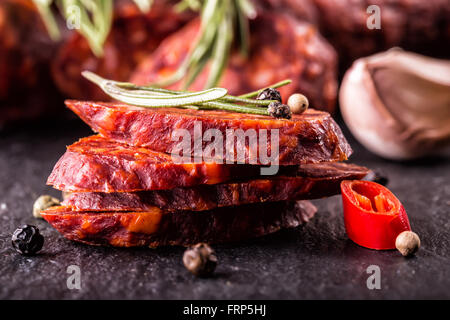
(156, 227)
(97, 164)
(311, 137)
(312, 182)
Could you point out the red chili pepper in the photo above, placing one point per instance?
(373, 216)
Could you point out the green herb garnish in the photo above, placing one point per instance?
(95, 19)
(219, 21)
(91, 18)
(145, 98)
(151, 97)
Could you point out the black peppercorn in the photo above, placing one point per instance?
(279, 110)
(27, 240)
(200, 260)
(269, 94)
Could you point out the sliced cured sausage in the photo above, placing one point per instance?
(96, 164)
(156, 227)
(314, 181)
(311, 137)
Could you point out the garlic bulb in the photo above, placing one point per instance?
(397, 103)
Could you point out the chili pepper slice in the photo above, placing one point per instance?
(373, 216)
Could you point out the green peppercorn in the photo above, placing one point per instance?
(200, 260)
(42, 203)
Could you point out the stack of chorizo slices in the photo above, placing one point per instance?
(125, 189)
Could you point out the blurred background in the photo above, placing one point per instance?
(381, 67)
(242, 45)
(45, 44)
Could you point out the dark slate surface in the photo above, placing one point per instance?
(312, 261)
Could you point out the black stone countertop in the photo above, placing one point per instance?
(313, 261)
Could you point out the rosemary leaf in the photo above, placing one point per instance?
(197, 54)
(222, 45)
(107, 18)
(144, 5)
(132, 86)
(247, 8)
(244, 29)
(275, 85)
(146, 99)
(252, 102)
(228, 98)
(219, 19)
(188, 4)
(162, 101)
(194, 71)
(95, 19)
(208, 13)
(216, 105)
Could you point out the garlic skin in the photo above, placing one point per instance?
(397, 103)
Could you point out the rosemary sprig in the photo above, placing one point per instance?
(94, 20)
(222, 45)
(150, 97)
(199, 55)
(147, 99)
(228, 98)
(91, 18)
(219, 19)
